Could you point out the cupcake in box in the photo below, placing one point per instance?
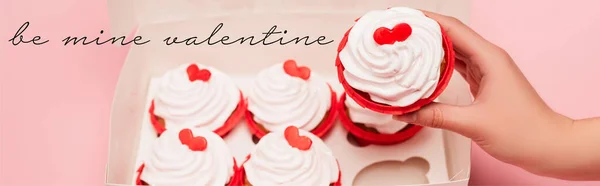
(288, 94)
(395, 61)
(189, 157)
(290, 157)
(370, 127)
(196, 96)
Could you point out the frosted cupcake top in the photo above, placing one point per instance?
(286, 94)
(291, 157)
(188, 157)
(394, 55)
(383, 123)
(194, 95)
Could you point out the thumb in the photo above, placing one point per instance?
(439, 115)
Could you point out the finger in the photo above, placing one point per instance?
(464, 39)
(438, 115)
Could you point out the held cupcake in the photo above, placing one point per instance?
(189, 157)
(287, 94)
(395, 61)
(196, 96)
(371, 127)
(290, 157)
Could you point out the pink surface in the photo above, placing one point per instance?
(55, 100)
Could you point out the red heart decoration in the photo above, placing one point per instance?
(399, 33)
(291, 68)
(293, 138)
(195, 73)
(195, 143)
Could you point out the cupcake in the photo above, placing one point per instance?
(370, 127)
(287, 94)
(395, 61)
(290, 157)
(188, 157)
(196, 96)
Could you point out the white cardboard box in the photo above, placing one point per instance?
(432, 157)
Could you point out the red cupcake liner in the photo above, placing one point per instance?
(229, 124)
(362, 98)
(242, 174)
(365, 137)
(321, 130)
(232, 182)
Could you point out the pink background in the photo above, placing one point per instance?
(55, 100)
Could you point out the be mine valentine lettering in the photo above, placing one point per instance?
(271, 37)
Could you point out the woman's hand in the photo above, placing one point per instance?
(507, 119)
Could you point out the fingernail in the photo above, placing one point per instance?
(409, 118)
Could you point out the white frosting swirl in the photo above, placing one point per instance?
(174, 164)
(185, 104)
(396, 74)
(279, 100)
(383, 123)
(275, 162)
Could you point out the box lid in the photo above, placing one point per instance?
(126, 15)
